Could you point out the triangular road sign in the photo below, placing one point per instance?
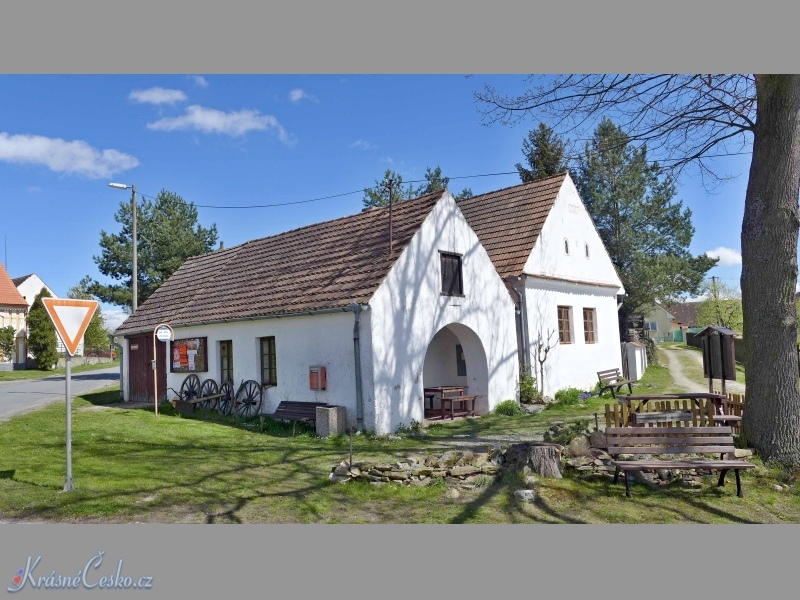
(71, 318)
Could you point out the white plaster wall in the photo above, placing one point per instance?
(440, 366)
(575, 364)
(408, 309)
(569, 220)
(300, 342)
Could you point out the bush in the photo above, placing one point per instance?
(528, 391)
(569, 396)
(563, 434)
(650, 348)
(509, 408)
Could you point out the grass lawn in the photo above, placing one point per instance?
(132, 466)
(693, 368)
(39, 374)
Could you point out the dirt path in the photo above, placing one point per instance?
(682, 380)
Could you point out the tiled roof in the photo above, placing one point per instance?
(18, 281)
(9, 295)
(685, 313)
(509, 221)
(321, 266)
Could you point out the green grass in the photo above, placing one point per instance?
(39, 373)
(132, 466)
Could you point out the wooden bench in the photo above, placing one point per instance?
(461, 401)
(674, 441)
(611, 379)
(298, 412)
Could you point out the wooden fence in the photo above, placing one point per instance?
(671, 413)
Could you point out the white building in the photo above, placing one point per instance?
(385, 315)
(545, 246)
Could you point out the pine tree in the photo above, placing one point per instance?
(545, 154)
(42, 341)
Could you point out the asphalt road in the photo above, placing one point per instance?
(29, 394)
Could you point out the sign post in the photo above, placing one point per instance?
(164, 334)
(70, 318)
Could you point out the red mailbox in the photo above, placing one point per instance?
(316, 377)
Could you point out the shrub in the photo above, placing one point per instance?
(528, 391)
(569, 396)
(508, 408)
(650, 349)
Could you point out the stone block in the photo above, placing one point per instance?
(331, 420)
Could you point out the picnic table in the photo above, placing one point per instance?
(721, 415)
(450, 397)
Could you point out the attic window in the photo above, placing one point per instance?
(566, 246)
(452, 281)
(586, 248)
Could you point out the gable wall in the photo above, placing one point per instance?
(408, 309)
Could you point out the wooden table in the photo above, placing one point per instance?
(446, 393)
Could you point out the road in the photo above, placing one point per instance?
(683, 382)
(22, 396)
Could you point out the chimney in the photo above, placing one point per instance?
(222, 245)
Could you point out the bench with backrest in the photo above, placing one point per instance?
(680, 441)
(288, 410)
(611, 379)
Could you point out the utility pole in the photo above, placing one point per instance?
(135, 274)
(715, 296)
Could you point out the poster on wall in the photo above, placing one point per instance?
(189, 356)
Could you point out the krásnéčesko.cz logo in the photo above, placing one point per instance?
(88, 577)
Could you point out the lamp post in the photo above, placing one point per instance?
(134, 274)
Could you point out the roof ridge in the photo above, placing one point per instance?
(518, 185)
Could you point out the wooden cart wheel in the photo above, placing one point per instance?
(248, 399)
(209, 388)
(225, 402)
(190, 388)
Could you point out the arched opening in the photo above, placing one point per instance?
(455, 358)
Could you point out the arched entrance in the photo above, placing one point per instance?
(456, 357)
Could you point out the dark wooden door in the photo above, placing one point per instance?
(140, 368)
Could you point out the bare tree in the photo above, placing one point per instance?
(543, 347)
(687, 120)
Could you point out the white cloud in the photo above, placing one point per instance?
(209, 120)
(62, 156)
(728, 257)
(157, 95)
(363, 145)
(200, 81)
(296, 95)
(389, 160)
(113, 318)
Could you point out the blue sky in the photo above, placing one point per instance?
(239, 140)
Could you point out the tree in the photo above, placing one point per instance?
(722, 306)
(646, 233)
(168, 233)
(7, 336)
(96, 335)
(378, 195)
(544, 153)
(42, 341)
(690, 118)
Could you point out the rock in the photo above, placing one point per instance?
(533, 408)
(579, 446)
(355, 471)
(464, 471)
(665, 474)
(338, 478)
(392, 436)
(597, 439)
(742, 453)
(439, 473)
(452, 493)
(525, 495)
(398, 475)
(480, 459)
(778, 487)
(490, 469)
(425, 471)
(421, 482)
(341, 470)
(531, 480)
(375, 473)
(383, 467)
(449, 458)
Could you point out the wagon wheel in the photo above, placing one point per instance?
(209, 388)
(225, 402)
(248, 399)
(190, 388)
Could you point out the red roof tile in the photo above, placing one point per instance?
(321, 266)
(509, 221)
(9, 294)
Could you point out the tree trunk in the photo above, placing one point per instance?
(542, 458)
(771, 419)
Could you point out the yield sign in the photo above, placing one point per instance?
(71, 318)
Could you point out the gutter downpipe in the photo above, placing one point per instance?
(523, 318)
(356, 310)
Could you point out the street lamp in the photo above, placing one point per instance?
(134, 275)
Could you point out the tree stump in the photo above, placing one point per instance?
(544, 459)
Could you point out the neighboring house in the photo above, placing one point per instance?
(685, 314)
(13, 312)
(30, 286)
(661, 325)
(385, 317)
(545, 246)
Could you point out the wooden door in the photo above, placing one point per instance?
(140, 368)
